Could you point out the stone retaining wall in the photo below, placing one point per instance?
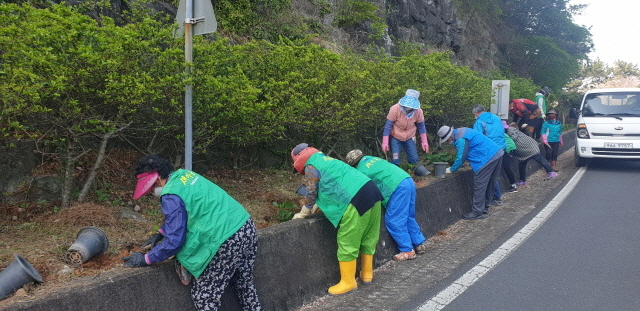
(296, 260)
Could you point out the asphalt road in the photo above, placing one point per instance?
(581, 256)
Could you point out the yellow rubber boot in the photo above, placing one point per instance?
(366, 269)
(347, 278)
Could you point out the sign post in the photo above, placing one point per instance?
(198, 19)
(500, 98)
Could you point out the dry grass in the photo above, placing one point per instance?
(42, 233)
(45, 238)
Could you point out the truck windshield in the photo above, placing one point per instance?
(612, 104)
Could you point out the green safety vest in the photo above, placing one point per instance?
(338, 184)
(385, 175)
(212, 217)
(542, 103)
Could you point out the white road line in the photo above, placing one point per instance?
(447, 295)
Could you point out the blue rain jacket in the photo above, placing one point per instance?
(490, 125)
(474, 147)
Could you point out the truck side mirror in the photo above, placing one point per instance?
(573, 113)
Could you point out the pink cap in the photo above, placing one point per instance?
(145, 183)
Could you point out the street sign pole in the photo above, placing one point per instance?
(188, 93)
(199, 19)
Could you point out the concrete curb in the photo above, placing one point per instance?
(296, 260)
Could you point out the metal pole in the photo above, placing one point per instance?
(499, 105)
(188, 94)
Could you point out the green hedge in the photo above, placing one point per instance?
(245, 95)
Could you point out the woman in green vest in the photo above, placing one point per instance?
(399, 192)
(351, 202)
(211, 235)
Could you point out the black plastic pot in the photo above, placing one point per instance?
(440, 168)
(91, 241)
(420, 170)
(16, 275)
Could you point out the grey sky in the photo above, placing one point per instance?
(615, 29)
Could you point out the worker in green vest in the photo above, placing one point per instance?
(399, 192)
(351, 202)
(541, 100)
(211, 235)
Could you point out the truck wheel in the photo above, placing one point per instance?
(579, 161)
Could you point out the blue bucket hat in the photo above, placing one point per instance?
(410, 99)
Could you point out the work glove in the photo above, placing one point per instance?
(152, 241)
(305, 211)
(545, 140)
(135, 260)
(448, 170)
(385, 143)
(544, 116)
(424, 142)
(524, 125)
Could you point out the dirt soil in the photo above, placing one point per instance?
(42, 233)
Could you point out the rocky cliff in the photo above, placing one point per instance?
(431, 25)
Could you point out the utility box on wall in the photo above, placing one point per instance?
(500, 98)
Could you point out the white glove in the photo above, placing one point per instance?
(544, 116)
(448, 170)
(304, 212)
(524, 125)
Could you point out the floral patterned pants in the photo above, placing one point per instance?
(232, 265)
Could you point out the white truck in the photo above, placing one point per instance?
(608, 125)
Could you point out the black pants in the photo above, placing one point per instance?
(538, 128)
(506, 166)
(522, 166)
(551, 153)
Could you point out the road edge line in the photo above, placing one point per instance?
(447, 295)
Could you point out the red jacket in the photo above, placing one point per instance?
(523, 107)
